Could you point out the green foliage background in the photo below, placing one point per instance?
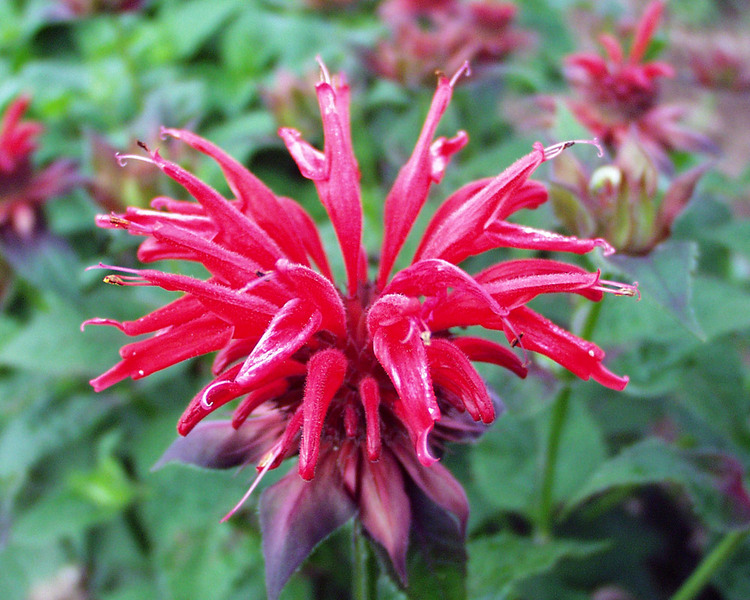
(637, 486)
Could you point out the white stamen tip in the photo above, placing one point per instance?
(325, 75)
(122, 159)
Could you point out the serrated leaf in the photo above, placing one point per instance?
(666, 276)
(506, 461)
(712, 480)
(500, 562)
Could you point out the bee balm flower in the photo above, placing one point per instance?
(619, 92)
(364, 382)
(23, 189)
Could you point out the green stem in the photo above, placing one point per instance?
(710, 564)
(557, 423)
(549, 466)
(360, 580)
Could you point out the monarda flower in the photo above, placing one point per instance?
(627, 201)
(24, 188)
(427, 35)
(619, 92)
(365, 383)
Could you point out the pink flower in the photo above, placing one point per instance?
(364, 383)
(23, 188)
(427, 35)
(620, 91)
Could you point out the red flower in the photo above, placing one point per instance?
(364, 383)
(427, 35)
(22, 188)
(620, 91)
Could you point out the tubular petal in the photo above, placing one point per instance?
(451, 369)
(403, 356)
(325, 374)
(481, 350)
(257, 199)
(189, 339)
(369, 393)
(409, 192)
(243, 233)
(316, 290)
(287, 332)
(432, 277)
(578, 356)
(452, 229)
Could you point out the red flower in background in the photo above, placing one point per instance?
(444, 34)
(364, 383)
(620, 91)
(23, 189)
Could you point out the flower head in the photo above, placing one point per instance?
(86, 8)
(626, 201)
(619, 91)
(364, 382)
(426, 36)
(23, 189)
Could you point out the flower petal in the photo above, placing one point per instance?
(257, 199)
(287, 332)
(399, 348)
(384, 509)
(464, 218)
(325, 374)
(578, 356)
(187, 340)
(451, 369)
(315, 290)
(409, 192)
(481, 350)
(242, 233)
(218, 445)
(433, 277)
(295, 516)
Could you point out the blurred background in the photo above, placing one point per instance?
(647, 482)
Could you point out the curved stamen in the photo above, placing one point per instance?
(325, 75)
(122, 159)
(205, 402)
(465, 69)
(554, 150)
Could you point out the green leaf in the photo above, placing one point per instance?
(506, 461)
(45, 426)
(721, 307)
(52, 343)
(57, 515)
(500, 562)
(712, 480)
(734, 235)
(666, 276)
(190, 24)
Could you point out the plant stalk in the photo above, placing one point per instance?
(710, 564)
(560, 409)
(360, 579)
